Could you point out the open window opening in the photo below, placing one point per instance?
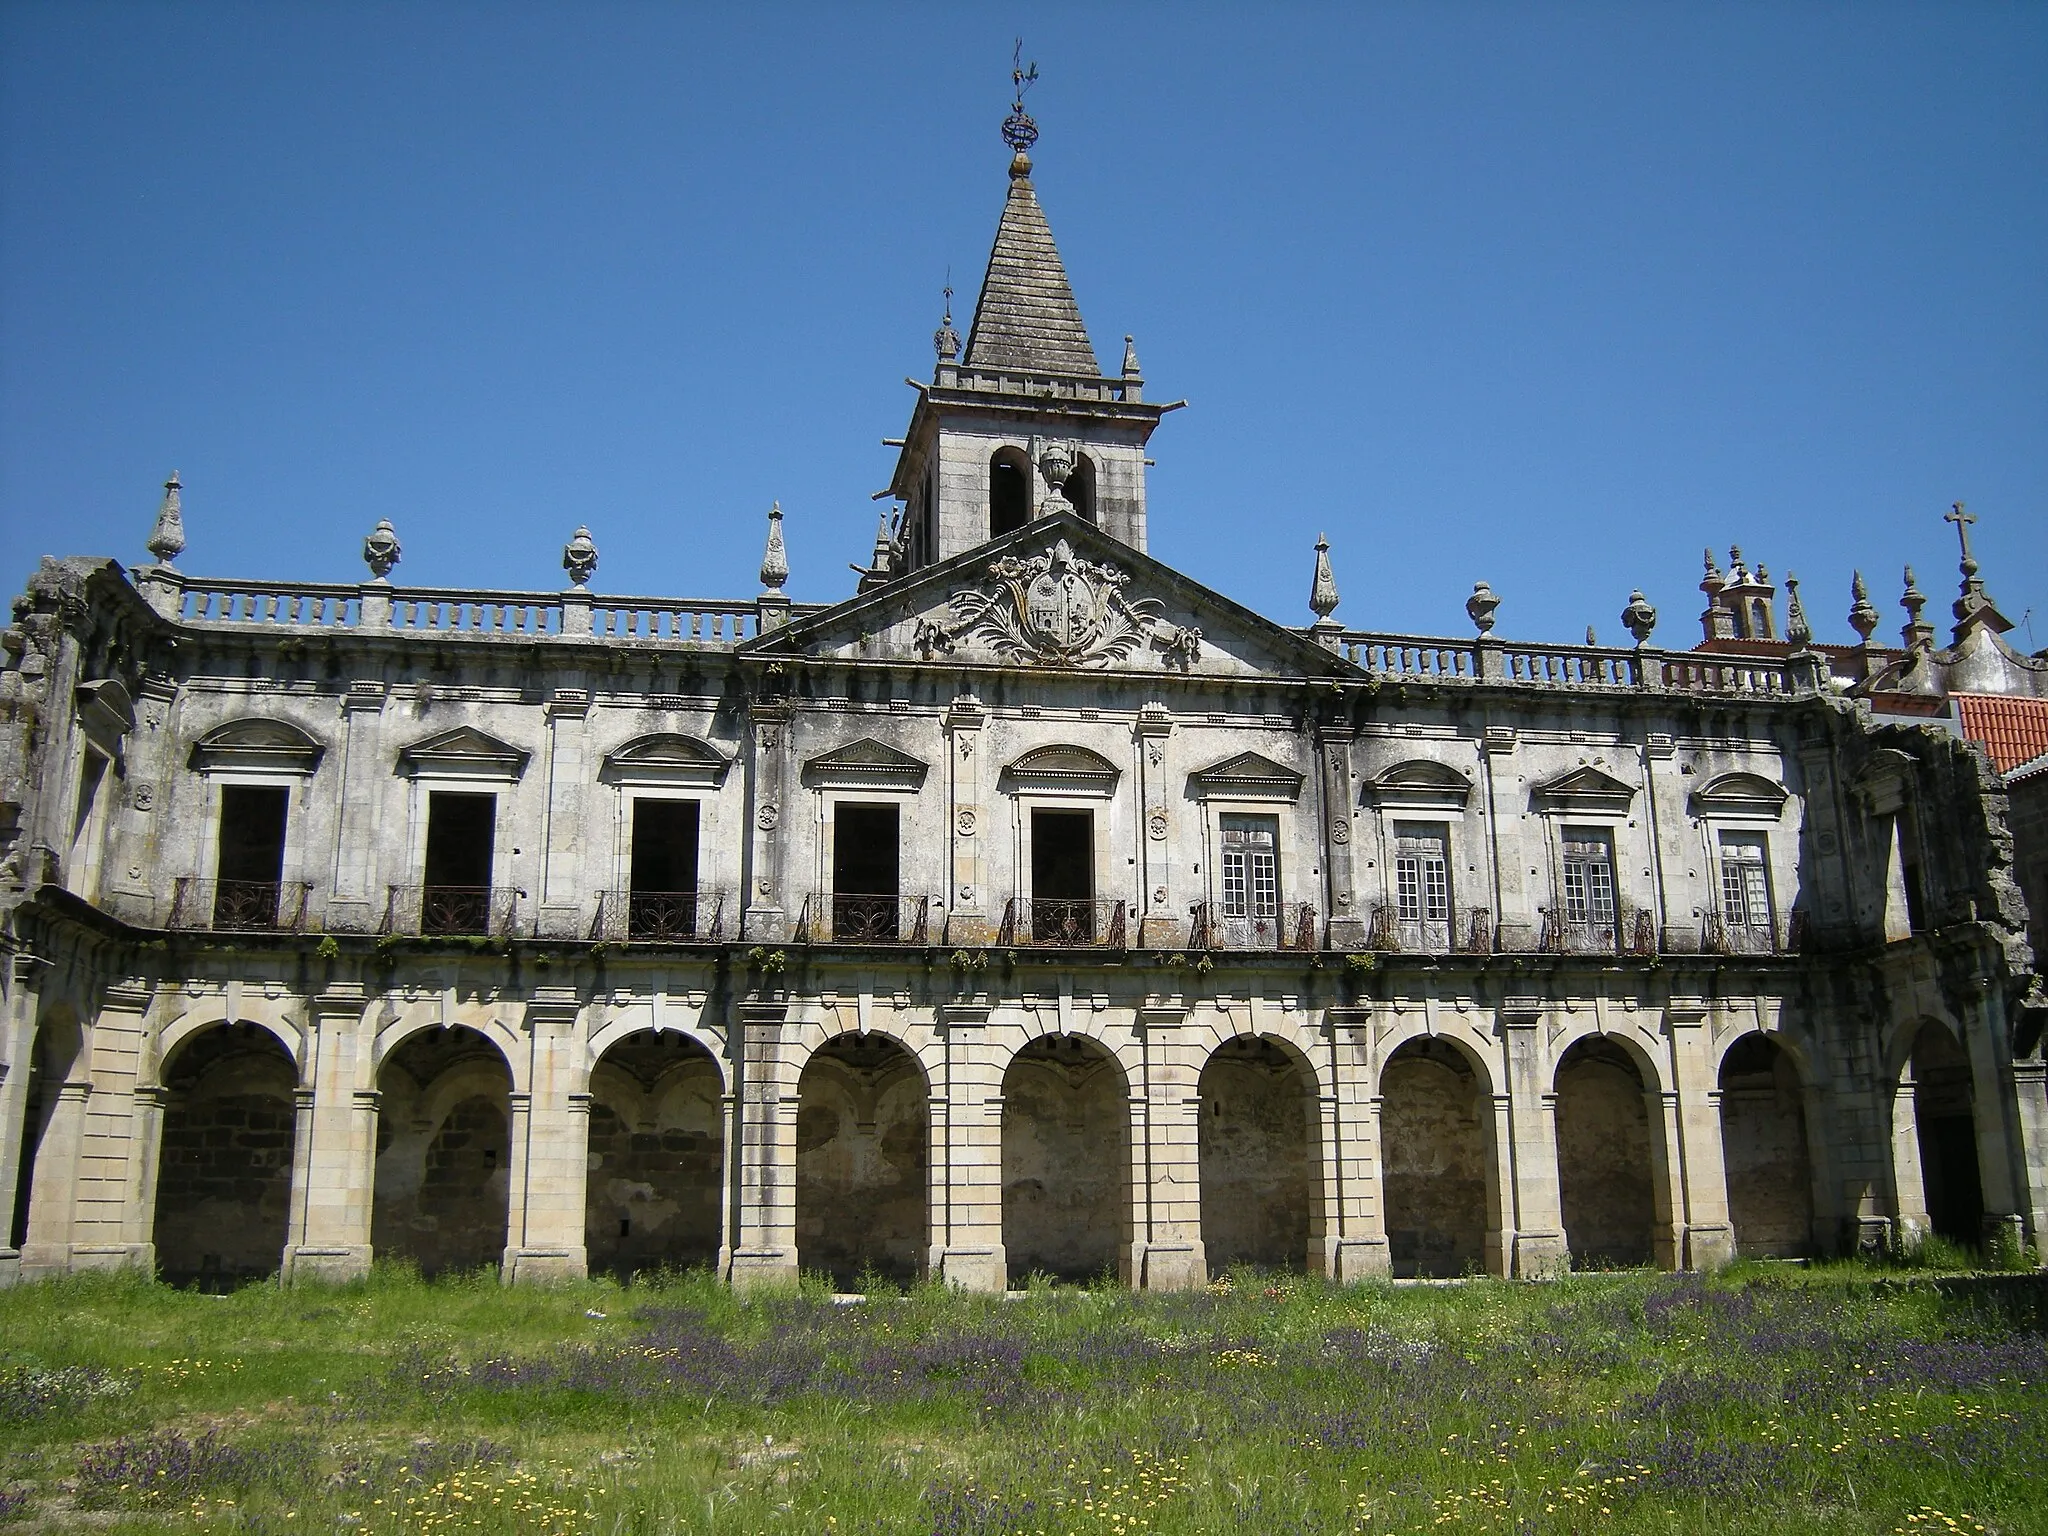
(663, 900)
(866, 873)
(1945, 1121)
(82, 875)
(249, 871)
(461, 830)
(1747, 923)
(1080, 488)
(1009, 492)
(1062, 877)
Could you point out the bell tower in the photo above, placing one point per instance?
(1026, 423)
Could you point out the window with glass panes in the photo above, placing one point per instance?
(1745, 881)
(1588, 877)
(1422, 872)
(1251, 866)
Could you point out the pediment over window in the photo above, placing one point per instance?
(1246, 776)
(1420, 784)
(107, 713)
(463, 753)
(1885, 782)
(257, 746)
(666, 758)
(1062, 770)
(866, 764)
(1584, 789)
(1740, 794)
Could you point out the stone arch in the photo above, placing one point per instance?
(443, 1150)
(1066, 1160)
(52, 1123)
(1439, 1173)
(224, 1172)
(1609, 1187)
(1945, 1131)
(1009, 491)
(1259, 1146)
(213, 1013)
(626, 1027)
(409, 1025)
(1083, 489)
(1763, 1148)
(863, 1159)
(654, 1191)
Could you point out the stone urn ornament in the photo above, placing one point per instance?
(1056, 463)
(381, 550)
(167, 538)
(1480, 605)
(579, 559)
(1639, 617)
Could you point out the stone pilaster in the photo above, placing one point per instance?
(1352, 1244)
(355, 904)
(52, 1195)
(565, 861)
(1539, 1243)
(766, 902)
(966, 1216)
(2027, 1092)
(117, 1144)
(1160, 923)
(764, 1251)
(550, 1162)
(969, 902)
(1166, 1177)
(1343, 901)
(17, 1053)
(1702, 1236)
(1909, 1186)
(335, 1144)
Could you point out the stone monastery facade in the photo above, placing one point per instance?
(1035, 909)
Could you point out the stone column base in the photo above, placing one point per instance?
(1709, 1247)
(1161, 933)
(969, 930)
(764, 925)
(971, 1269)
(326, 1266)
(10, 1266)
(1347, 933)
(1540, 1256)
(1167, 1266)
(109, 1256)
(545, 1266)
(762, 1268)
(2010, 1231)
(1348, 1260)
(1499, 1254)
(1869, 1237)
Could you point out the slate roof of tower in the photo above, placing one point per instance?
(1026, 316)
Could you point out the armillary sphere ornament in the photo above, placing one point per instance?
(1019, 131)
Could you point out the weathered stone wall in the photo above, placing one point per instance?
(1763, 1141)
(1066, 1161)
(862, 1154)
(224, 1177)
(1258, 1164)
(1433, 1143)
(1603, 1157)
(655, 1196)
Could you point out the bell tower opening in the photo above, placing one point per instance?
(1009, 492)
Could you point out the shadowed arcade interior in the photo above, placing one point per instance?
(1258, 1165)
(1604, 1166)
(862, 1161)
(224, 1177)
(1066, 1161)
(1944, 1116)
(443, 1152)
(654, 1193)
(1763, 1149)
(1436, 1161)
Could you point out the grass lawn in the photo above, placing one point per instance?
(1839, 1398)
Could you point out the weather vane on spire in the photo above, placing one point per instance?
(1019, 131)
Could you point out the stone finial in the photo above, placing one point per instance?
(1713, 581)
(167, 538)
(1322, 592)
(1797, 630)
(1131, 370)
(381, 550)
(1480, 605)
(579, 559)
(1915, 633)
(946, 340)
(774, 558)
(1863, 616)
(1056, 463)
(1639, 618)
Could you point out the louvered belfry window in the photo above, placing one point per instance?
(1422, 872)
(1588, 877)
(1251, 866)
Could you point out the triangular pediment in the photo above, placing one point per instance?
(666, 757)
(1248, 774)
(256, 746)
(866, 764)
(463, 753)
(1585, 788)
(1058, 596)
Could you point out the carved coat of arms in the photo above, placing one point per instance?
(1058, 609)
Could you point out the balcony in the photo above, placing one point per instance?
(1629, 933)
(239, 906)
(1292, 926)
(1718, 936)
(847, 918)
(451, 911)
(1468, 934)
(660, 917)
(1052, 923)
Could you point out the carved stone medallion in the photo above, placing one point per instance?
(767, 818)
(964, 822)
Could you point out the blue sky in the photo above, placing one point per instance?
(1551, 295)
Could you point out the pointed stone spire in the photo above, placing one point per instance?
(881, 567)
(1863, 617)
(1026, 316)
(774, 559)
(1322, 592)
(1918, 636)
(167, 538)
(1797, 630)
(1131, 369)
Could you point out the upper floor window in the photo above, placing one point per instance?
(1588, 877)
(1745, 881)
(1422, 883)
(1251, 866)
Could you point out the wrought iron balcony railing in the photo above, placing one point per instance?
(1627, 933)
(1292, 925)
(844, 917)
(239, 906)
(660, 917)
(475, 911)
(1718, 936)
(1467, 933)
(1053, 923)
